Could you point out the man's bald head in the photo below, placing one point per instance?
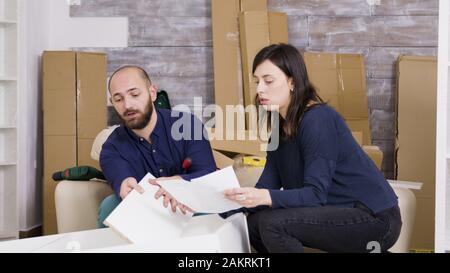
(140, 71)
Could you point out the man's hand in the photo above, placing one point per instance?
(249, 197)
(167, 197)
(128, 185)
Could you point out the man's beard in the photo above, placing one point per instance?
(139, 122)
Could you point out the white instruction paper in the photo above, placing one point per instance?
(205, 194)
(141, 218)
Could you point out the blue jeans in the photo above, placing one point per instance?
(106, 207)
(109, 204)
(331, 229)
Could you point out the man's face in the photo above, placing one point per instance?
(132, 98)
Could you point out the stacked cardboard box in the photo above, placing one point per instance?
(245, 146)
(228, 85)
(340, 80)
(74, 112)
(258, 29)
(416, 139)
(240, 29)
(373, 152)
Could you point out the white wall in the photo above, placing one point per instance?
(46, 25)
(67, 32)
(34, 38)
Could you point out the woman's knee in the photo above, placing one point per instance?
(252, 221)
(258, 220)
(265, 222)
(271, 218)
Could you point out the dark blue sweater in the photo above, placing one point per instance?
(324, 166)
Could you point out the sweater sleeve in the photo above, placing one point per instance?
(115, 168)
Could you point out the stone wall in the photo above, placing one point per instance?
(172, 40)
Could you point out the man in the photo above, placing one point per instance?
(145, 142)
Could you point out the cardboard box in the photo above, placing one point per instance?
(258, 29)
(84, 153)
(59, 99)
(252, 5)
(416, 135)
(375, 154)
(416, 122)
(208, 233)
(228, 88)
(361, 125)
(423, 232)
(91, 94)
(344, 87)
(74, 112)
(222, 161)
(246, 146)
(358, 136)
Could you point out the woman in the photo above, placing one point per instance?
(318, 189)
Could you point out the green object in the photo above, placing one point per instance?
(162, 100)
(78, 173)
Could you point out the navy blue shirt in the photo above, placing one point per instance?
(324, 166)
(124, 154)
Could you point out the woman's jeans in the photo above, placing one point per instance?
(331, 229)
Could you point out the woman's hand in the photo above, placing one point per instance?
(249, 197)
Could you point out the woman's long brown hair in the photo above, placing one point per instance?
(287, 58)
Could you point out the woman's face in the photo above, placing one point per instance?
(273, 87)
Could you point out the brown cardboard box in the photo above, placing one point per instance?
(251, 5)
(375, 154)
(416, 122)
(416, 134)
(358, 136)
(84, 153)
(59, 100)
(250, 147)
(74, 112)
(228, 87)
(222, 161)
(257, 30)
(361, 125)
(422, 237)
(91, 77)
(344, 87)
